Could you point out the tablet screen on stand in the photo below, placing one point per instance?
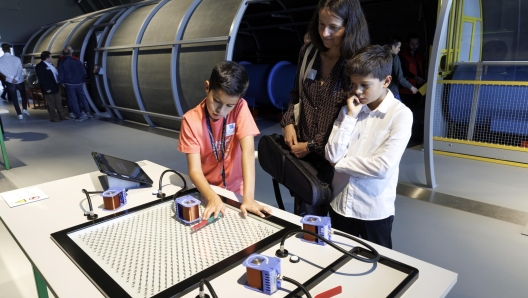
(117, 168)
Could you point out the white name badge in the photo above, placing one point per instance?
(230, 129)
(311, 75)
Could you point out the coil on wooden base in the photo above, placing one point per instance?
(187, 209)
(262, 273)
(114, 198)
(318, 225)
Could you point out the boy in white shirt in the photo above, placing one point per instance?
(366, 144)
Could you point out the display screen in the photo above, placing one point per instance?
(120, 168)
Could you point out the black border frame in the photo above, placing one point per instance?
(412, 273)
(111, 288)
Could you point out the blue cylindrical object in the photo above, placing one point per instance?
(257, 93)
(280, 83)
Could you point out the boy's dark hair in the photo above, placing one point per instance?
(412, 35)
(6, 48)
(356, 28)
(393, 41)
(229, 77)
(373, 59)
(45, 55)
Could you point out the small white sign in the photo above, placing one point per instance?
(23, 196)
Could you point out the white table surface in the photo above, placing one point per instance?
(32, 224)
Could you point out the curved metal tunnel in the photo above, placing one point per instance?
(157, 54)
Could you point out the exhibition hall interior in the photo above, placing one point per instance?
(460, 225)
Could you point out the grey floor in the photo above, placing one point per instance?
(487, 251)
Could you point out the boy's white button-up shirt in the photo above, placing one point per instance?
(366, 152)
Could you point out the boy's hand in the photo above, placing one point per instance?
(354, 106)
(414, 90)
(253, 207)
(214, 206)
(290, 136)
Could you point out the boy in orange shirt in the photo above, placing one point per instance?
(218, 138)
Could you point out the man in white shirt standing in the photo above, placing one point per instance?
(365, 146)
(11, 67)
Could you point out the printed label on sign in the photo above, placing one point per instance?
(230, 129)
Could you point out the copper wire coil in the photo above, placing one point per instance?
(112, 203)
(312, 229)
(190, 213)
(254, 278)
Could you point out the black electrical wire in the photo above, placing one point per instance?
(281, 253)
(298, 284)
(91, 215)
(160, 193)
(206, 282)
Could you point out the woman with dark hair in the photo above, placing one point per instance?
(337, 30)
(394, 44)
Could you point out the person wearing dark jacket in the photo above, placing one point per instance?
(398, 79)
(73, 75)
(47, 75)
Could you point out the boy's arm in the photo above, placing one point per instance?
(378, 165)
(214, 203)
(247, 144)
(339, 139)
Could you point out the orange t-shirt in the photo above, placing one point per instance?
(194, 138)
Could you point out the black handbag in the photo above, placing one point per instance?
(308, 178)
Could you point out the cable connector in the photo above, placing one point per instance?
(281, 252)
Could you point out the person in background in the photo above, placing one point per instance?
(218, 138)
(73, 75)
(365, 146)
(398, 79)
(48, 79)
(61, 58)
(11, 68)
(98, 70)
(412, 61)
(337, 30)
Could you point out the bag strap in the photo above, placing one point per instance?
(278, 196)
(305, 70)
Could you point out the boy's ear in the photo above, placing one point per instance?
(206, 84)
(388, 80)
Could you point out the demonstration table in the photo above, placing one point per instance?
(32, 224)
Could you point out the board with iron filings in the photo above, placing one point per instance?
(149, 252)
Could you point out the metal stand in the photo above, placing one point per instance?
(4, 152)
(525, 231)
(120, 183)
(2, 145)
(42, 289)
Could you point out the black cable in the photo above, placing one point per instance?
(201, 287)
(160, 193)
(372, 250)
(90, 215)
(298, 284)
(282, 253)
